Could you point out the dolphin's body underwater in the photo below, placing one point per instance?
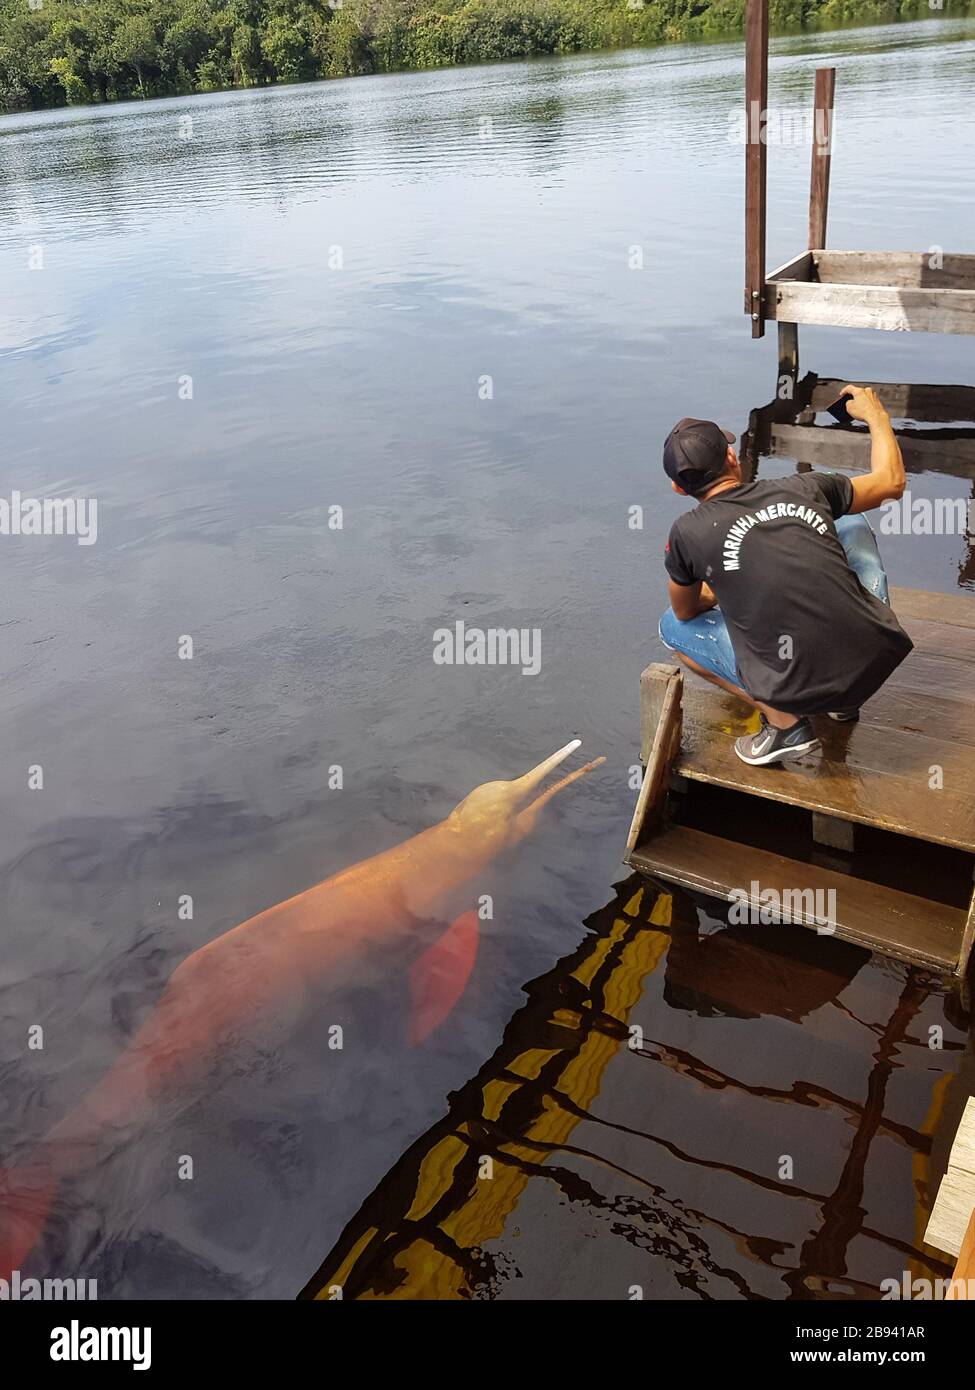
(267, 963)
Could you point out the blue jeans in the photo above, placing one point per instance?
(706, 640)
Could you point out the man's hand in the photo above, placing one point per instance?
(886, 478)
(864, 404)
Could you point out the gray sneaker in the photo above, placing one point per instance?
(771, 745)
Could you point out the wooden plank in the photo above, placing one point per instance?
(963, 1276)
(967, 940)
(949, 1218)
(663, 751)
(901, 270)
(831, 786)
(872, 306)
(799, 268)
(911, 711)
(954, 609)
(933, 638)
(868, 746)
(923, 674)
(906, 400)
(822, 147)
(882, 919)
(788, 346)
(963, 1147)
(952, 1209)
(849, 449)
(756, 105)
(863, 773)
(654, 680)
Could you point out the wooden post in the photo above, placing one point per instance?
(967, 940)
(950, 1220)
(822, 150)
(829, 833)
(756, 102)
(963, 1278)
(754, 442)
(788, 359)
(654, 680)
(661, 688)
(832, 832)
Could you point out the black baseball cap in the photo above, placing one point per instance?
(696, 454)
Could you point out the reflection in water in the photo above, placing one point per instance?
(696, 1202)
(251, 982)
(422, 1234)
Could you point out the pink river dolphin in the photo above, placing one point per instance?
(267, 965)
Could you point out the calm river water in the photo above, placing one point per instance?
(224, 316)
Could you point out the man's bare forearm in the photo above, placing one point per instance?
(886, 461)
(886, 477)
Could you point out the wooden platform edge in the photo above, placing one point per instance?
(661, 719)
(950, 1221)
(957, 610)
(887, 307)
(661, 691)
(967, 940)
(962, 1286)
(808, 895)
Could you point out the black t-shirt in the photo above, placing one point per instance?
(807, 636)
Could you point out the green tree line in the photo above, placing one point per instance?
(57, 52)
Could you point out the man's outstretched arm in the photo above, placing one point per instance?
(886, 478)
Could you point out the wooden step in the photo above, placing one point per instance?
(881, 919)
(957, 610)
(907, 767)
(876, 772)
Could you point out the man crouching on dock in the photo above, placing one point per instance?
(804, 625)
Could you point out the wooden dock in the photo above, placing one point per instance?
(952, 1223)
(865, 819)
(881, 821)
(901, 291)
(883, 817)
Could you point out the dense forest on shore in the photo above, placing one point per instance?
(57, 52)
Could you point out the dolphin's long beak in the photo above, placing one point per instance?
(525, 785)
(522, 786)
(563, 782)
